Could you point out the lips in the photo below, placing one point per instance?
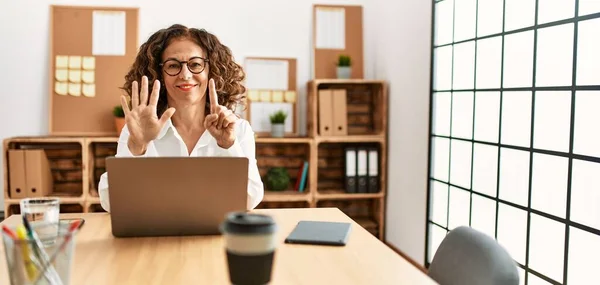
(186, 87)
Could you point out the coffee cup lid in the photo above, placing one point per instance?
(248, 223)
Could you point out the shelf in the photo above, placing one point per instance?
(283, 140)
(63, 199)
(351, 138)
(341, 194)
(102, 139)
(284, 196)
(346, 81)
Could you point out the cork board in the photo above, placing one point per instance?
(263, 99)
(325, 59)
(86, 71)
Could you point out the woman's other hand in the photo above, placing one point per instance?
(142, 121)
(220, 123)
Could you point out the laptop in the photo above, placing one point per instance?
(174, 196)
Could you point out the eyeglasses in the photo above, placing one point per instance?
(195, 65)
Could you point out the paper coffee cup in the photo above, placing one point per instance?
(250, 247)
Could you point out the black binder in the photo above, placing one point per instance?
(373, 170)
(361, 171)
(350, 170)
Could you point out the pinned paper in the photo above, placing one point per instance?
(75, 89)
(62, 61)
(75, 61)
(267, 74)
(75, 76)
(89, 90)
(265, 96)
(89, 63)
(277, 96)
(290, 96)
(108, 33)
(253, 95)
(330, 28)
(60, 88)
(87, 76)
(61, 75)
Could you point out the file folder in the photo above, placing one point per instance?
(350, 170)
(362, 170)
(325, 112)
(373, 172)
(340, 114)
(16, 166)
(39, 176)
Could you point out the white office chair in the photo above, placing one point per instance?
(467, 256)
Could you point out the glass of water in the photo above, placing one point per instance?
(42, 214)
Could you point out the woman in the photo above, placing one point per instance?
(196, 85)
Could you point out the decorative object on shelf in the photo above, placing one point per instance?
(344, 67)
(278, 179)
(278, 123)
(119, 118)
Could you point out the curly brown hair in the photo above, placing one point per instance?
(227, 74)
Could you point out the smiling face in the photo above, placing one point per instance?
(186, 87)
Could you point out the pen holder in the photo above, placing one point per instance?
(30, 264)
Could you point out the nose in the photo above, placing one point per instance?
(185, 72)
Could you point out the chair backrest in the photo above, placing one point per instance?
(467, 256)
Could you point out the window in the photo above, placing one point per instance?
(515, 143)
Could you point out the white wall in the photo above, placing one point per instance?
(402, 57)
(396, 45)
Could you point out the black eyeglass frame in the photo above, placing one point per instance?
(186, 64)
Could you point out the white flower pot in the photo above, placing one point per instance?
(344, 72)
(277, 130)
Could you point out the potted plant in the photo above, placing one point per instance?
(278, 179)
(119, 118)
(344, 69)
(278, 123)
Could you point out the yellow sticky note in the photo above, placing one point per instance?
(87, 76)
(75, 76)
(253, 95)
(89, 90)
(62, 61)
(60, 88)
(290, 96)
(75, 89)
(75, 61)
(277, 96)
(265, 96)
(61, 74)
(89, 63)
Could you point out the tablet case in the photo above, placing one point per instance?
(320, 233)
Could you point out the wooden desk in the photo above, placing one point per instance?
(102, 259)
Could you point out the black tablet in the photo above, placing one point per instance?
(320, 233)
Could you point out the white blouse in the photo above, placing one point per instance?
(170, 143)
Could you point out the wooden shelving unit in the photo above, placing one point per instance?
(367, 125)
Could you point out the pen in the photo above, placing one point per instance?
(38, 249)
(29, 266)
(72, 228)
(9, 232)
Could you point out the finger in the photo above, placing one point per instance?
(222, 115)
(135, 99)
(144, 91)
(155, 93)
(166, 116)
(230, 119)
(124, 105)
(212, 90)
(210, 120)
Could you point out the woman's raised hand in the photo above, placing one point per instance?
(220, 123)
(142, 121)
